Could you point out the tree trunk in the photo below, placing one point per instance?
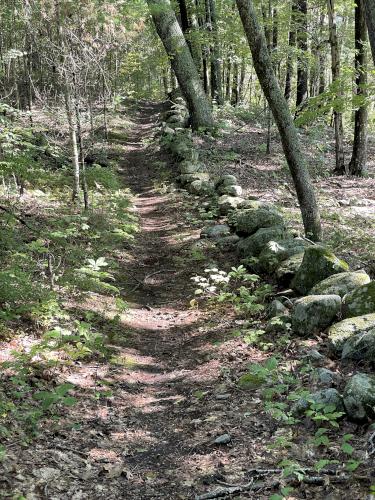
(322, 60)
(301, 34)
(289, 61)
(234, 97)
(288, 133)
(370, 21)
(357, 165)
(216, 82)
(182, 62)
(227, 79)
(337, 115)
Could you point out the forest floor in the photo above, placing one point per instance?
(146, 422)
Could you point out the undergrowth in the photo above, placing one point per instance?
(54, 255)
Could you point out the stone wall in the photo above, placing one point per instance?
(324, 294)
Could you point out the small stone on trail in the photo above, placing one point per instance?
(223, 439)
(222, 396)
(314, 355)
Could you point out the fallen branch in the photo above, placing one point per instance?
(22, 221)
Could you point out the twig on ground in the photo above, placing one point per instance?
(22, 221)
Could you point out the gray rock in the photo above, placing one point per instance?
(275, 252)
(359, 397)
(185, 179)
(250, 203)
(326, 377)
(360, 301)
(187, 167)
(318, 263)
(228, 203)
(232, 190)
(360, 347)
(227, 180)
(248, 221)
(341, 284)
(215, 231)
(314, 313)
(324, 397)
(253, 245)
(340, 332)
(223, 439)
(201, 187)
(314, 356)
(277, 308)
(227, 243)
(288, 268)
(279, 324)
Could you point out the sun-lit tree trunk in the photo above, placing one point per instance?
(288, 133)
(337, 114)
(182, 62)
(357, 165)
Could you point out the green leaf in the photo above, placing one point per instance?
(347, 448)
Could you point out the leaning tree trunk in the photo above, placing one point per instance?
(337, 115)
(182, 62)
(288, 133)
(357, 165)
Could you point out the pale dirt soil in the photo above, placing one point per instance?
(154, 436)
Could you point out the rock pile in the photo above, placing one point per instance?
(328, 295)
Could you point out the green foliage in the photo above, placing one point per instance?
(236, 287)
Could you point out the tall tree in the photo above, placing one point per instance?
(301, 39)
(182, 62)
(291, 46)
(370, 21)
(336, 69)
(216, 80)
(288, 133)
(357, 165)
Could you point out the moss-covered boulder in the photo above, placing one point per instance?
(185, 179)
(227, 243)
(359, 397)
(327, 397)
(253, 245)
(288, 268)
(314, 313)
(360, 347)
(247, 221)
(201, 187)
(341, 284)
(228, 203)
(226, 180)
(340, 332)
(360, 301)
(318, 263)
(187, 167)
(275, 252)
(232, 190)
(215, 231)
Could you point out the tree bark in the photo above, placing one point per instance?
(182, 62)
(337, 115)
(289, 61)
(288, 133)
(357, 164)
(216, 81)
(370, 21)
(301, 37)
